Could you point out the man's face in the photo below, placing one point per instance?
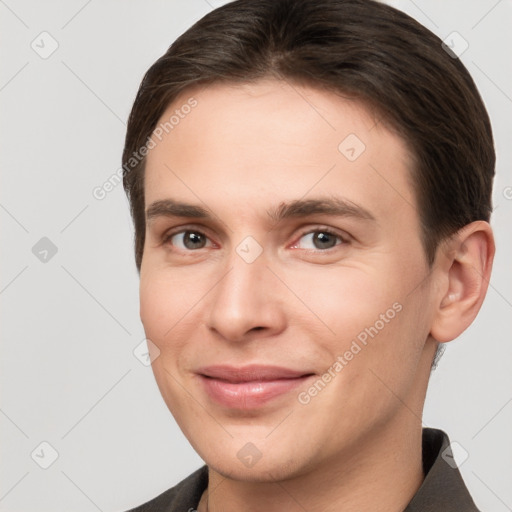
(342, 299)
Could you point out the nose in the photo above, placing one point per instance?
(248, 301)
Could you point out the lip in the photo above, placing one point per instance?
(249, 386)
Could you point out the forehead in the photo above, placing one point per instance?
(272, 140)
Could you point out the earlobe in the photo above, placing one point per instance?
(468, 255)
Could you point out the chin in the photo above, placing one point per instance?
(261, 472)
(264, 461)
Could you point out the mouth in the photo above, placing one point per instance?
(250, 386)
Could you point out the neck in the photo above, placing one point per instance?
(383, 473)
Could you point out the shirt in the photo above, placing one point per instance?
(442, 490)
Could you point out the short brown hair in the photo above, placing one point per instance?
(360, 48)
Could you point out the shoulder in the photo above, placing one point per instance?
(183, 496)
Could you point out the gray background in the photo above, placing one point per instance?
(70, 322)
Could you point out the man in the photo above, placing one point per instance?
(310, 184)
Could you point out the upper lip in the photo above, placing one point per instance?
(250, 373)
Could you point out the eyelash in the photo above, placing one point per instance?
(318, 229)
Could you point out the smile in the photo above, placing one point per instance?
(251, 386)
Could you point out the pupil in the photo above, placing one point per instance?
(322, 240)
(192, 239)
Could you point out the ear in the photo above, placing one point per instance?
(465, 263)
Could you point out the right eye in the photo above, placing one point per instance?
(185, 239)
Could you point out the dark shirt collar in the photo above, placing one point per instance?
(442, 490)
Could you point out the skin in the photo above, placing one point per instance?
(242, 150)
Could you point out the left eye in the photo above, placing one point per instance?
(321, 239)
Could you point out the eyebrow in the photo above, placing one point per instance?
(297, 208)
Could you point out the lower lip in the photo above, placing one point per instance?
(248, 395)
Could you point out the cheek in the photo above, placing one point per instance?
(163, 312)
(162, 305)
(346, 300)
(170, 302)
(379, 308)
(165, 296)
(391, 342)
(153, 304)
